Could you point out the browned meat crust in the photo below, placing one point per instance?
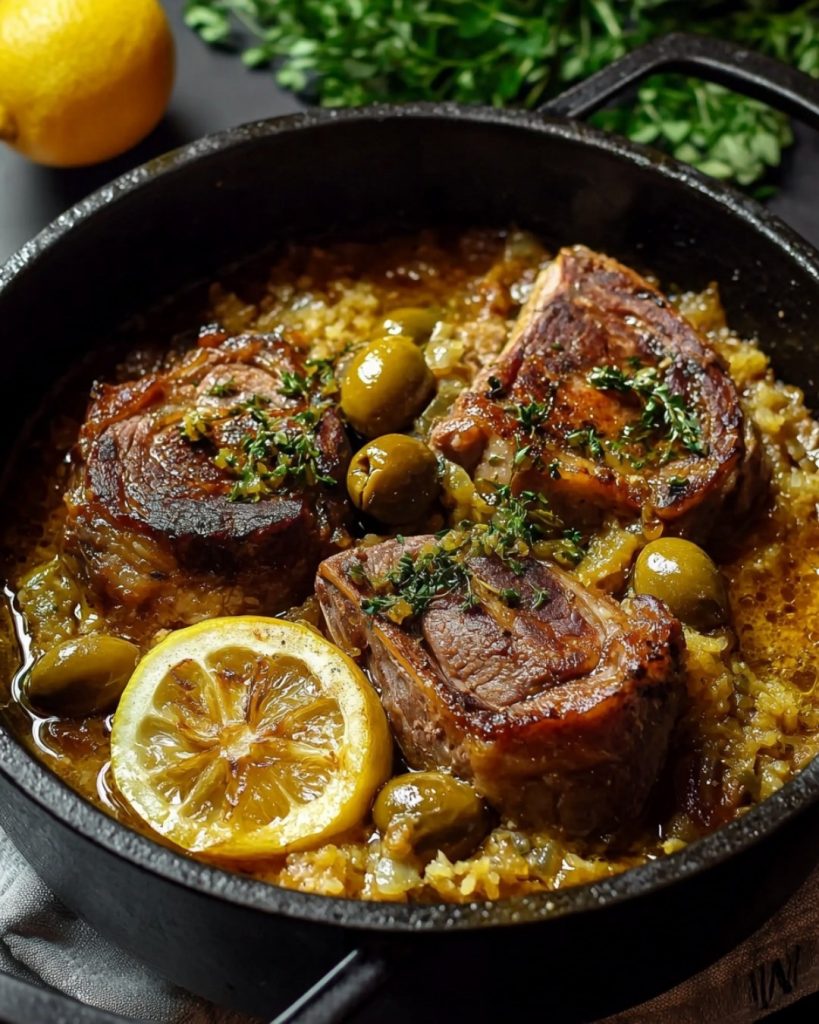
(560, 709)
(588, 311)
(152, 517)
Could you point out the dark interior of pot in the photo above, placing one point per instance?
(215, 204)
(358, 175)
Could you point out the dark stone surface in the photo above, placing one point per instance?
(213, 91)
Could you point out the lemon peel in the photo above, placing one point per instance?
(246, 737)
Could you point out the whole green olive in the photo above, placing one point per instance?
(83, 676)
(424, 812)
(394, 478)
(416, 322)
(385, 385)
(681, 574)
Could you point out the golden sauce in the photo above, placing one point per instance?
(753, 714)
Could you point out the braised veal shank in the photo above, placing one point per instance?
(559, 709)
(173, 515)
(607, 400)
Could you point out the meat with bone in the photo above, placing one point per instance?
(606, 399)
(559, 707)
(210, 488)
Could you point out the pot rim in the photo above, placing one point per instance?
(37, 782)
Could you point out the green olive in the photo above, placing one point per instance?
(416, 322)
(385, 386)
(424, 812)
(84, 676)
(681, 574)
(394, 478)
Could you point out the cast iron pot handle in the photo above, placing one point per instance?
(339, 992)
(715, 60)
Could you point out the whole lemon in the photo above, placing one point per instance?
(82, 80)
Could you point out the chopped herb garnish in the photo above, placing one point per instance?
(521, 526)
(554, 469)
(293, 385)
(323, 371)
(416, 580)
(531, 415)
(226, 459)
(677, 485)
(377, 605)
(662, 409)
(223, 388)
(571, 550)
(609, 378)
(517, 524)
(255, 405)
(306, 418)
(356, 572)
(521, 454)
(195, 425)
(587, 439)
(540, 597)
(280, 450)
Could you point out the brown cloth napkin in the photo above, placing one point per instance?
(774, 967)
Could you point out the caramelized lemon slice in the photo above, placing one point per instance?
(245, 737)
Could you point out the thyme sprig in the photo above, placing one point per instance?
(322, 375)
(417, 580)
(587, 439)
(530, 415)
(663, 409)
(224, 388)
(294, 385)
(521, 526)
(280, 450)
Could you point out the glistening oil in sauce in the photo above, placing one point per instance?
(752, 717)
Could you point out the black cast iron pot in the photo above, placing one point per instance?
(574, 954)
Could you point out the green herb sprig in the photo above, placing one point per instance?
(521, 52)
(294, 385)
(663, 410)
(530, 415)
(224, 388)
(522, 525)
(280, 450)
(519, 525)
(588, 440)
(416, 581)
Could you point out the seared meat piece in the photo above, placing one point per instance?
(611, 401)
(559, 708)
(204, 489)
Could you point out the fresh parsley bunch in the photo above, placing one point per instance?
(351, 52)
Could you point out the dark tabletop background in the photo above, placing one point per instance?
(215, 91)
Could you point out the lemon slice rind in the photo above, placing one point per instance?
(363, 758)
